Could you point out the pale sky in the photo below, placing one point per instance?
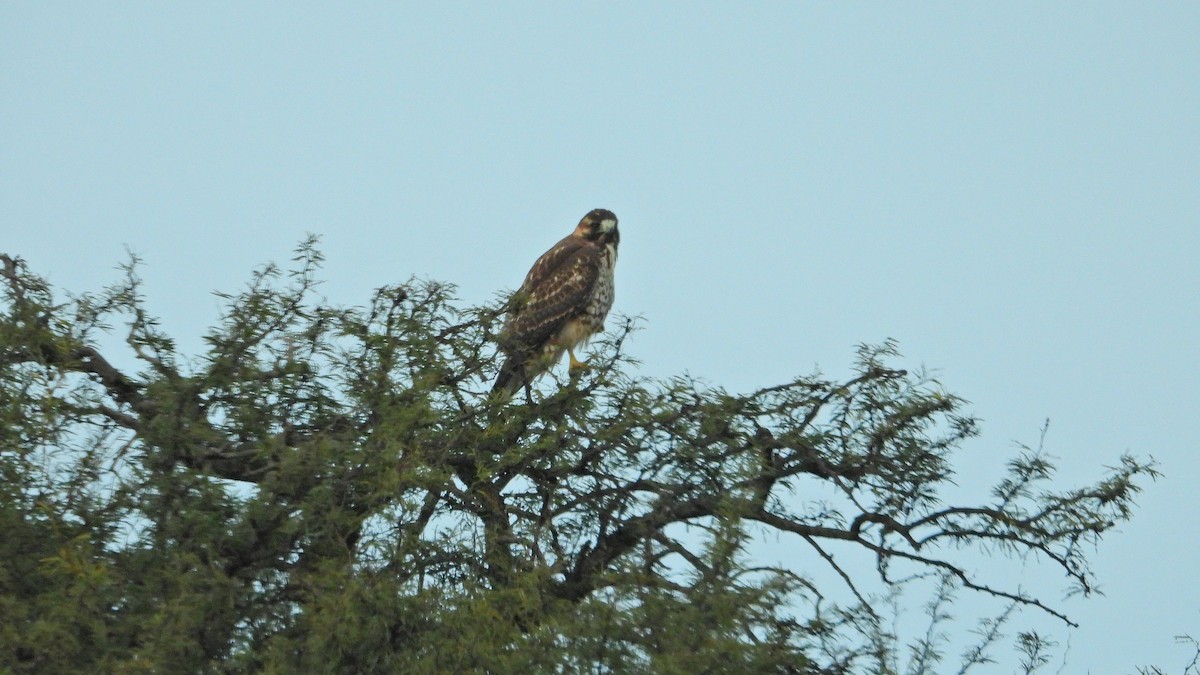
(1010, 190)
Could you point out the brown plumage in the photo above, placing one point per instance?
(563, 302)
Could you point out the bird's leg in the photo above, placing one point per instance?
(576, 364)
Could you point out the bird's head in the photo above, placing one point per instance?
(599, 225)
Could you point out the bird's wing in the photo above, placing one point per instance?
(557, 288)
(550, 261)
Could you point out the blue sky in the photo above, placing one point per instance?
(1007, 189)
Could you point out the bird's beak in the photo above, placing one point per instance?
(607, 225)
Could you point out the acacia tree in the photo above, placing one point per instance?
(331, 489)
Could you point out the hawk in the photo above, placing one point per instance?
(563, 302)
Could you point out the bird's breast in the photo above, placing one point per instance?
(603, 292)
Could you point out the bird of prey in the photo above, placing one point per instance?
(563, 302)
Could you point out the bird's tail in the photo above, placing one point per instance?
(510, 379)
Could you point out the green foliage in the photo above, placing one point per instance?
(331, 489)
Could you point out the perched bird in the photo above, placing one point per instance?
(563, 302)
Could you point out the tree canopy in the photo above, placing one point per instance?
(331, 489)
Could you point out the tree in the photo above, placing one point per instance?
(331, 489)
